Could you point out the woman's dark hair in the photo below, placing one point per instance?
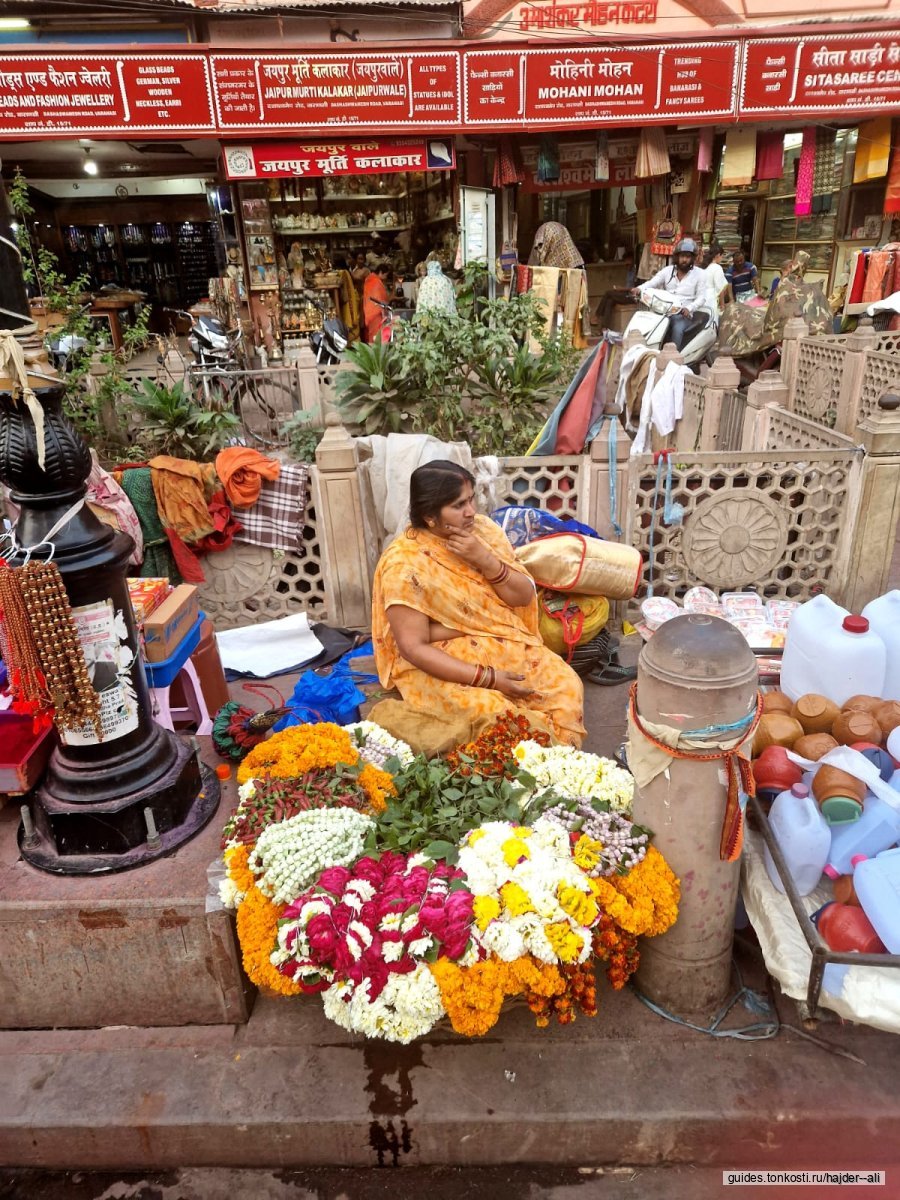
(432, 486)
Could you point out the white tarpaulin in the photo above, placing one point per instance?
(870, 995)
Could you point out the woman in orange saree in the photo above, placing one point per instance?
(374, 295)
(455, 626)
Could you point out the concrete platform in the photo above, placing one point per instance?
(288, 1091)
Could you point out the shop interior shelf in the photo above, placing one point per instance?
(347, 196)
(337, 232)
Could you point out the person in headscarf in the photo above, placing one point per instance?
(555, 251)
(554, 247)
(436, 294)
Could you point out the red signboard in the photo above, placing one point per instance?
(677, 82)
(374, 156)
(104, 93)
(301, 91)
(857, 72)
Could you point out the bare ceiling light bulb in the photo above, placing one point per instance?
(90, 166)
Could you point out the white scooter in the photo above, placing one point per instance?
(652, 321)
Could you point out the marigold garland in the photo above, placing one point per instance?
(473, 996)
(579, 994)
(377, 785)
(645, 901)
(301, 748)
(618, 950)
(493, 749)
(257, 926)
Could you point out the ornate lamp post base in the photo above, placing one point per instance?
(92, 839)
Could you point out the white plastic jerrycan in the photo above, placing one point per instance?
(877, 884)
(883, 616)
(832, 653)
(803, 836)
(877, 829)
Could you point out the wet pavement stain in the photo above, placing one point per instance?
(384, 1064)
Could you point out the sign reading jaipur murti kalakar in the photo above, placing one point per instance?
(302, 91)
(104, 93)
(671, 82)
(790, 76)
(370, 156)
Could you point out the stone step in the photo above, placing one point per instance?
(291, 1089)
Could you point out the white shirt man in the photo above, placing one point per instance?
(688, 288)
(717, 285)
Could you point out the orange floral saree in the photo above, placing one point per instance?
(419, 571)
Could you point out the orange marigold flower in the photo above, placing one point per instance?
(257, 925)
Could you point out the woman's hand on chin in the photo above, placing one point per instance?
(468, 547)
(512, 685)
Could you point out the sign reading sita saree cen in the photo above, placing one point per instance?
(305, 91)
(104, 93)
(852, 73)
(373, 156)
(682, 81)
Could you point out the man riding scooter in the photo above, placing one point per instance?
(688, 285)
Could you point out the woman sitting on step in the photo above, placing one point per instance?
(455, 626)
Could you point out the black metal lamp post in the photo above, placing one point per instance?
(140, 792)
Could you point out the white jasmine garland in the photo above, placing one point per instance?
(379, 745)
(290, 855)
(408, 1007)
(573, 773)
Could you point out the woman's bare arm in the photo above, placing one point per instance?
(411, 630)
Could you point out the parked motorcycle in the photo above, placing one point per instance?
(652, 323)
(329, 342)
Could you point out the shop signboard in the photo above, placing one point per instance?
(671, 82)
(372, 156)
(104, 93)
(306, 91)
(854, 73)
(549, 20)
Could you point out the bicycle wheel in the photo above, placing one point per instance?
(264, 405)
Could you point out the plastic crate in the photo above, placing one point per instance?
(162, 674)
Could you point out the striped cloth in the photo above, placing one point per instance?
(277, 518)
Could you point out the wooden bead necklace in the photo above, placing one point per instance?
(46, 640)
(26, 679)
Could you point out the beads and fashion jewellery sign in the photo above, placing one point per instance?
(196, 91)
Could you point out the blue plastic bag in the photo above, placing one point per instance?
(332, 697)
(522, 524)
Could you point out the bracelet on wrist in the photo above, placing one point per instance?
(501, 576)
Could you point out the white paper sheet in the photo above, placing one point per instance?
(269, 648)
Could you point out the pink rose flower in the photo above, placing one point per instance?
(334, 880)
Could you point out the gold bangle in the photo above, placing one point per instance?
(500, 577)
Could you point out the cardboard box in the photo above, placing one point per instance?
(170, 623)
(146, 596)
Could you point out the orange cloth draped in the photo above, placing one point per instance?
(242, 470)
(419, 571)
(181, 487)
(373, 316)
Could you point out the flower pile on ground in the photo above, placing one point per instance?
(406, 890)
(576, 774)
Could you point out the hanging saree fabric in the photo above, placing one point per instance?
(769, 155)
(805, 172)
(873, 150)
(740, 157)
(823, 170)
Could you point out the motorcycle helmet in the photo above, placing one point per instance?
(686, 246)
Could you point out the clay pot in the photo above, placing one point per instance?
(814, 745)
(815, 713)
(856, 726)
(887, 714)
(861, 704)
(830, 781)
(775, 729)
(774, 771)
(776, 702)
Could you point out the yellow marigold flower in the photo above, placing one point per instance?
(587, 852)
(257, 925)
(522, 831)
(516, 899)
(567, 945)
(578, 905)
(238, 871)
(473, 996)
(475, 836)
(377, 784)
(292, 752)
(485, 909)
(514, 850)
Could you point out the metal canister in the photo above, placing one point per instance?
(696, 675)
